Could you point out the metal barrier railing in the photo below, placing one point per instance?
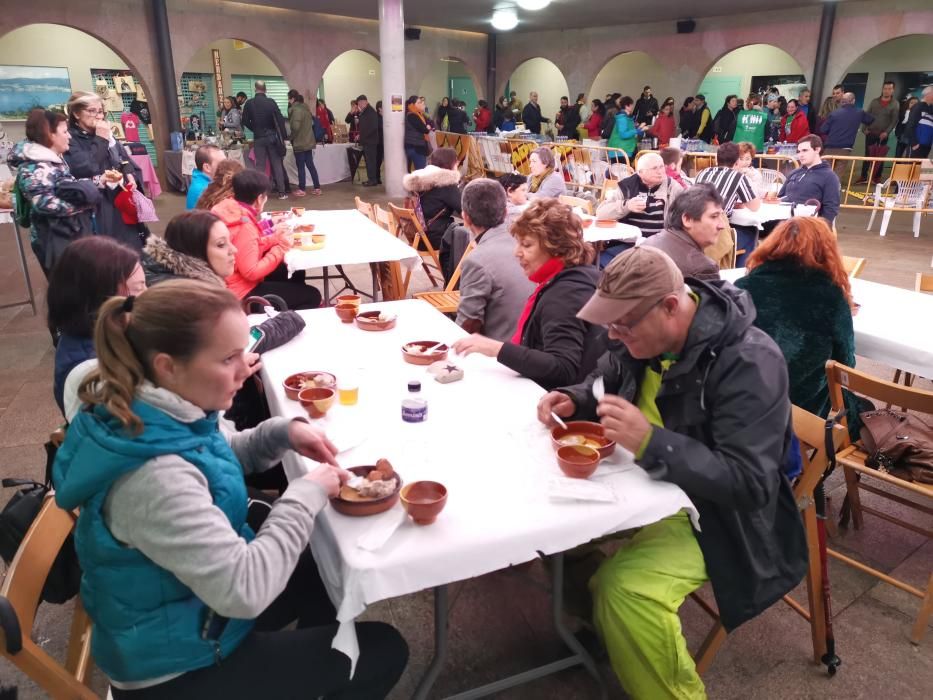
(906, 187)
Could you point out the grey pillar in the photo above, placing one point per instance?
(392, 60)
(166, 68)
(491, 95)
(822, 58)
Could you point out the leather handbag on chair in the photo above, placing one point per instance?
(898, 441)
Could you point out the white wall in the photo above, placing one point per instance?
(246, 61)
(436, 83)
(351, 74)
(55, 45)
(541, 76)
(628, 74)
(757, 59)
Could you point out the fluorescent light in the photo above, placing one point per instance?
(533, 4)
(504, 19)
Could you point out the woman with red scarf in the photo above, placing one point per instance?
(416, 133)
(551, 346)
(326, 118)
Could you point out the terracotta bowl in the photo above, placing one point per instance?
(347, 505)
(418, 359)
(606, 223)
(292, 383)
(347, 312)
(587, 222)
(424, 500)
(369, 321)
(589, 430)
(318, 238)
(303, 228)
(354, 299)
(317, 401)
(578, 461)
(298, 211)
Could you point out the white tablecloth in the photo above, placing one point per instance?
(481, 440)
(769, 211)
(620, 232)
(351, 239)
(892, 326)
(330, 161)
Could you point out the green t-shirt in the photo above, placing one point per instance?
(750, 126)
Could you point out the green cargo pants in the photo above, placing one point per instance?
(636, 596)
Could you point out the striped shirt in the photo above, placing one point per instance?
(733, 186)
(651, 220)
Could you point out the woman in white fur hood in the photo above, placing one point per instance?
(438, 188)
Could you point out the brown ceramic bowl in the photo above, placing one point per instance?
(578, 461)
(348, 502)
(347, 312)
(369, 321)
(424, 500)
(303, 228)
(606, 223)
(317, 401)
(317, 238)
(589, 430)
(298, 211)
(293, 382)
(354, 299)
(587, 222)
(420, 359)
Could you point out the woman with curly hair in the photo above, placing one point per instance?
(551, 345)
(221, 187)
(801, 291)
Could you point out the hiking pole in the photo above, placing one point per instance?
(830, 659)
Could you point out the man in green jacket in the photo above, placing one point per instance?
(301, 124)
(885, 110)
(751, 124)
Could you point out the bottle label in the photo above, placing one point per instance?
(414, 410)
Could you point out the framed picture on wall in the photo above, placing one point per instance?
(116, 128)
(23, 88)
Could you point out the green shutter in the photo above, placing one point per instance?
(276, 89)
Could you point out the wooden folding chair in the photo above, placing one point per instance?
(448, 300)
(852, 459)
(853, 266)
(19, 598)
(809, 429)
(924, 283)
(384, 219)
(365, 208)
(421, 243)
(571, 201)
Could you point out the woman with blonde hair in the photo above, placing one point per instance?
(187, 601)
(221, 187)
(551, 345)
(801, 292)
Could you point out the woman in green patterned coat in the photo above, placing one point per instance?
(801, 291)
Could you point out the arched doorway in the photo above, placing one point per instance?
(449, 77)
(347, 76)
(544, 77)
(628, 73)
(752, 69)
(907, 60)
(42, 64)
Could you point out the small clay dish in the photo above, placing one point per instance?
(317, 401)
(578, 461)
(354, 299)
(347, 312)
(419, 358)
(318, 238)
(303, 228)
(589, 431)
(424, 500)
(587, 222)
(298, 211)
(349, 502)
(606, 223)
(369, 321)
(293, 383)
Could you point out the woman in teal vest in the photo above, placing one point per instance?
(625, 134)
(186, 600)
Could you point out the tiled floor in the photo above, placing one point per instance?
(499, 623)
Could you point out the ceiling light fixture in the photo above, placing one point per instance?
(533, 4)
(505, 19)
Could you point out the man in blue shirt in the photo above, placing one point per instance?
(206, 160)
(839, 132)
(813, 180)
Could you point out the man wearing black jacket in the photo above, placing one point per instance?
(531, 115)
(263, 117)
(646, 107)
(698, 395)
(369, 140)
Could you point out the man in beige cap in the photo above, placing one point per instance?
(699, 396)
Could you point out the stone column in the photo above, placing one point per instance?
(392, 60)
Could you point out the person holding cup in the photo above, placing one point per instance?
(94, 153)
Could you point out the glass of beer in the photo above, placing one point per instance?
(348, 389)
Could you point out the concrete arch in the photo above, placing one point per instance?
(550, 89)
(774, 70)
(875, 79)
(429, 83)
(181, 66)
(632, 64)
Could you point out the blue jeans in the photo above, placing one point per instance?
(418, 160)
(302, 159)
(746, 238)
(609, 253)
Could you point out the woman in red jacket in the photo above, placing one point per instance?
(794, 124)
(595, 120)
(664, 127)
(259, 267)
(326, 118)
(482, 116)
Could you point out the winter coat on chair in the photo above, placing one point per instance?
(439, 192)
(88, 157)
(55, 221)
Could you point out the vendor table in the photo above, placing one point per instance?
(481, 440)
(180, 164)
(351, 239)
(330, 161)
(770, 211)
(891, 326)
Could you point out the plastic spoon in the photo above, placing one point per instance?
(599, 389)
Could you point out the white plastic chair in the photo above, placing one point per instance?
(910, 194)
(769, 176)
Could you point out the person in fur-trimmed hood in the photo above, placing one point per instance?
(437, 186)
(196, 245)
